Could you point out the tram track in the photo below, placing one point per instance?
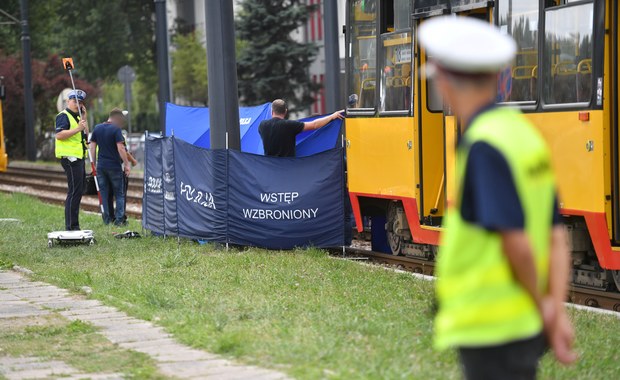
(49, 185)
(593, 298)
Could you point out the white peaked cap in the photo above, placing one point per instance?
(467, 45)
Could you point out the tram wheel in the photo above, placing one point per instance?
(615, 274)
(394, 240)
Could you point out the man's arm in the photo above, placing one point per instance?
(318, 123)
(93, 152)
(131, 158)
(123, 153)
(518, 250)
(560, 334)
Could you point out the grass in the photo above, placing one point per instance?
(302, 312)
(75, 343)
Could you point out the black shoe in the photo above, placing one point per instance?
(128, 235)
(121, 224)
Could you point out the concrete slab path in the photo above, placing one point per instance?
(22, 298)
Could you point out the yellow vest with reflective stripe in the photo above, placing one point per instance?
(71, 147)
(480, 302)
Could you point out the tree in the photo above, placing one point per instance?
(189, 70)
(101, 36)
(48, 80)
(271, 64)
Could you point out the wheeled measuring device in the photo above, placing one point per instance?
(70, 238)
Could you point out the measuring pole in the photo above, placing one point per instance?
(222, 70)
(31, 149)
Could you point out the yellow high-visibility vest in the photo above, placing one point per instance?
(480, 302)
(71, 147)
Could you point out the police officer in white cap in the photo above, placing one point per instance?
(503, 266)
(71, 137)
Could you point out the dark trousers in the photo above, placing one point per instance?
(76, 176)
(112, 183)
(111, 200)
(517, 360)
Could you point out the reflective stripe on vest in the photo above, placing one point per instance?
(71, 147)
(480, 303)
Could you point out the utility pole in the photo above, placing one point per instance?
(332, 56)
(31, 149)
(222, 70)
(163, 68)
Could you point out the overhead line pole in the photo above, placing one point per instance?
(31, 149)
(163, 67)
(222, 72)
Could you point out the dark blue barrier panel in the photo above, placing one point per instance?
(153, 198)
(283, 203)
(171, 226)
(201, 191)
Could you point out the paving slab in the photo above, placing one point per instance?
(146, 344)
(5, 297)
(36, 368)
(14, 309)
(22, 298)
(104, 312)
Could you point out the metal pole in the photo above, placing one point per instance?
(222, 70)
(332, 56)
(31, 149)
(128, 103)
(161, 37)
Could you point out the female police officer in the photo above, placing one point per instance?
(71, 136)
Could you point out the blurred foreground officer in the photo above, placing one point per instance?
(503, 265)
(279, 134)
(71, 136)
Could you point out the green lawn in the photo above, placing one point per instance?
(75, 343)
(302, 312)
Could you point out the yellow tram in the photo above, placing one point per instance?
(401, 142)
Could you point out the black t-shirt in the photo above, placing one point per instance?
(107, 136)
(279, 136)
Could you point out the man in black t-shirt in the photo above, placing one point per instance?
(279, 134)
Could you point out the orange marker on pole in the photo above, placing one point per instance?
(67, 63)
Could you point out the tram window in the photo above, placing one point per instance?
(396, 72)
(402, 14)
(555, 3)
(362, 52)
(567, 65)
(520, 20)
(395, 15)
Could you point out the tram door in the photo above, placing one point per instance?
(437, 133)
(613, 10)
(429, 118)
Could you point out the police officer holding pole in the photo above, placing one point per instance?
(503, 266)
(71, 137)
